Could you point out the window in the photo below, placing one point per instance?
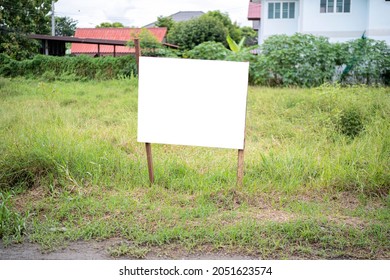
(330, 6)
(277, 10)
(271, 10)
(281, 10)
(285, 10)
(335, 6)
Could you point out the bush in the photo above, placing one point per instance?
(6, 66)
(160, 52)
(351, 123)
(209, 51)
(365, 61)
(307, 61)
(80, 68)
(299, 60)
(258, 75)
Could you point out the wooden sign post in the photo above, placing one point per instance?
(148, 146)
(137, 52)
(192, 102)
(240, 168)
(240, 162)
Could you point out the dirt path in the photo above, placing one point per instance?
(94, 250)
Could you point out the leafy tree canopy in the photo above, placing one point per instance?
(109, 24)
(65, 26)
(167, 22)
(21, 17)
(150, 45)
(189, 34)
(212, 26)
(233, 29)
(146, 39)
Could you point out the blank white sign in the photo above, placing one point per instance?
(192, 102)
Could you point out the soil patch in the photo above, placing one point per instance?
(100, 250)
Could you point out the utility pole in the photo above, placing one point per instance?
(53, 20)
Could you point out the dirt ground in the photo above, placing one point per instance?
(95, 250)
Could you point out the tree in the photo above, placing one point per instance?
(189, 34)
(65, 26)
(167, 22)
(250, 35)
(146, 39)
(21, 17)
(109, 24)
(150, 45)
(233, 29)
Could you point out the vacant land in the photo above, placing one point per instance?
(316, 183)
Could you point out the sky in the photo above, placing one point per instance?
(138, 13)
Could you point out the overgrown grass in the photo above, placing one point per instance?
(316, 173)
(328, 137)
(12, 224)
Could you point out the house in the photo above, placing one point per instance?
(112, 34)
(254, 13)
(339, 20)
(180, 16)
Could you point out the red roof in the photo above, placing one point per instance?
(254, 11)
(121, 34)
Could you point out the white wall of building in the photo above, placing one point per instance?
(378, 26)
(336, 26)
(370, 16)
(277, 26)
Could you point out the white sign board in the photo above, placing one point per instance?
(192, 102)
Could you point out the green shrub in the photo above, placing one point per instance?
(258, 74)
(350, 122)
(299, 60)
(4, 59)
(79, 68)
(366, 61)
(306, 60)
(160, 52)
(49, 76)
(209, 51)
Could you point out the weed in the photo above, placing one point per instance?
(12, 224)
(351, 123)
(124, 249)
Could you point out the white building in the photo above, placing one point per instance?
(339, 20)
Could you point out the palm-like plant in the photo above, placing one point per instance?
(234, 47)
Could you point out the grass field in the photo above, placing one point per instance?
(317, 174)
